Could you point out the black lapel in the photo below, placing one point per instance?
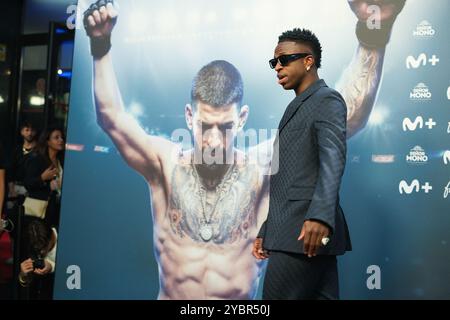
(298, 101)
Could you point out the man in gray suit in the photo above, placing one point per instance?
(305, 228)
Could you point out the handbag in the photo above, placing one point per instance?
(35, 207)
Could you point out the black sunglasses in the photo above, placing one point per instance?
(286, 58)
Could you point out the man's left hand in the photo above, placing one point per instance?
(312, 234)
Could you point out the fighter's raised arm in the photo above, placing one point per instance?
(360, 81)
(141, 151)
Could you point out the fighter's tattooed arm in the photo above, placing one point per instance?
(360, 81)
(359, 85)
(142, 152)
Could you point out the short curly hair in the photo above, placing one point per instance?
(217, 84)
(306, 37)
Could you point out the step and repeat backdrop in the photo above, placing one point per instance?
(132, 219)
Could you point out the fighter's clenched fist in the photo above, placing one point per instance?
(388, 11)
(99, 20)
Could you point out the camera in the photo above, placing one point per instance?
(38, 262)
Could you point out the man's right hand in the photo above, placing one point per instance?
(99, 19)
(258, 251)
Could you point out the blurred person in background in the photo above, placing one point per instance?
(37, 269)
(16, 172)
(5, 242)
(43, 177)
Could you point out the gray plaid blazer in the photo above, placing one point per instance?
(311, 148)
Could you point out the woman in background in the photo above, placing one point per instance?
(43, 177)
(37, 270)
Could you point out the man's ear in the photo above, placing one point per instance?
(189, 116)
(243, 115)
(309, 62)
